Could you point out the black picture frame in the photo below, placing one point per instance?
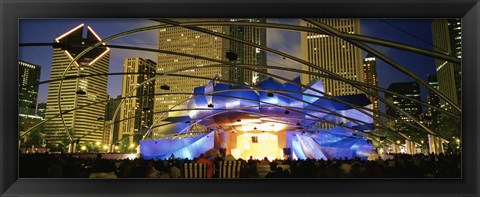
(11, 11)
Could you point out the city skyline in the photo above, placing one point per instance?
(286, 41)
(214, 93)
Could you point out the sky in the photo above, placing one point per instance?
(415, 32)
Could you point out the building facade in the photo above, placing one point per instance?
(447, 38)
(111, 126)
(333, 54)
(178, 39)
(370, 77)
(136, 112)
(248, 54)
(411, 90)
(434, 118)
(28, 87)
(84, 94)
(41, 107)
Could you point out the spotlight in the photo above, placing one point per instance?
(210, 105)
(287, 112)
(269, 94)
(165, 87)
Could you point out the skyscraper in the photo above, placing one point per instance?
(41, 109)
(178, 39)
(248, 54)
(136, 112)
(111, 126)
(411, 90)
(28, 87)
(370, 77)
(85, 124)
(447, 38)
(433, 99)
(333, 54)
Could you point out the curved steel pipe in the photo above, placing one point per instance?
(106, 40)
(374, 52)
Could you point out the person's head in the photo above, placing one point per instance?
(279, 169)
(273, 166)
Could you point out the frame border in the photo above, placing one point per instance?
(11, 11)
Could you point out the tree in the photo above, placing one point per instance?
(124, 145)
(34, 138)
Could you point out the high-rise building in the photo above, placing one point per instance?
(248, 54)
(28, 87)
(447, 38)
(333, 54)
(84, 94)
(178, 39)
(111, 126)
(433, 99)
(41, 107)
(136, 112)
(370, 77)
(411, 90)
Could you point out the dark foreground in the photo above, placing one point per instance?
(402, 166)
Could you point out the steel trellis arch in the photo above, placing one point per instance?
(395, 65)
(133, 31)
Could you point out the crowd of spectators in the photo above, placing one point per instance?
(400, 166)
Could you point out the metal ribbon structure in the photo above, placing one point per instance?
(322, 28)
